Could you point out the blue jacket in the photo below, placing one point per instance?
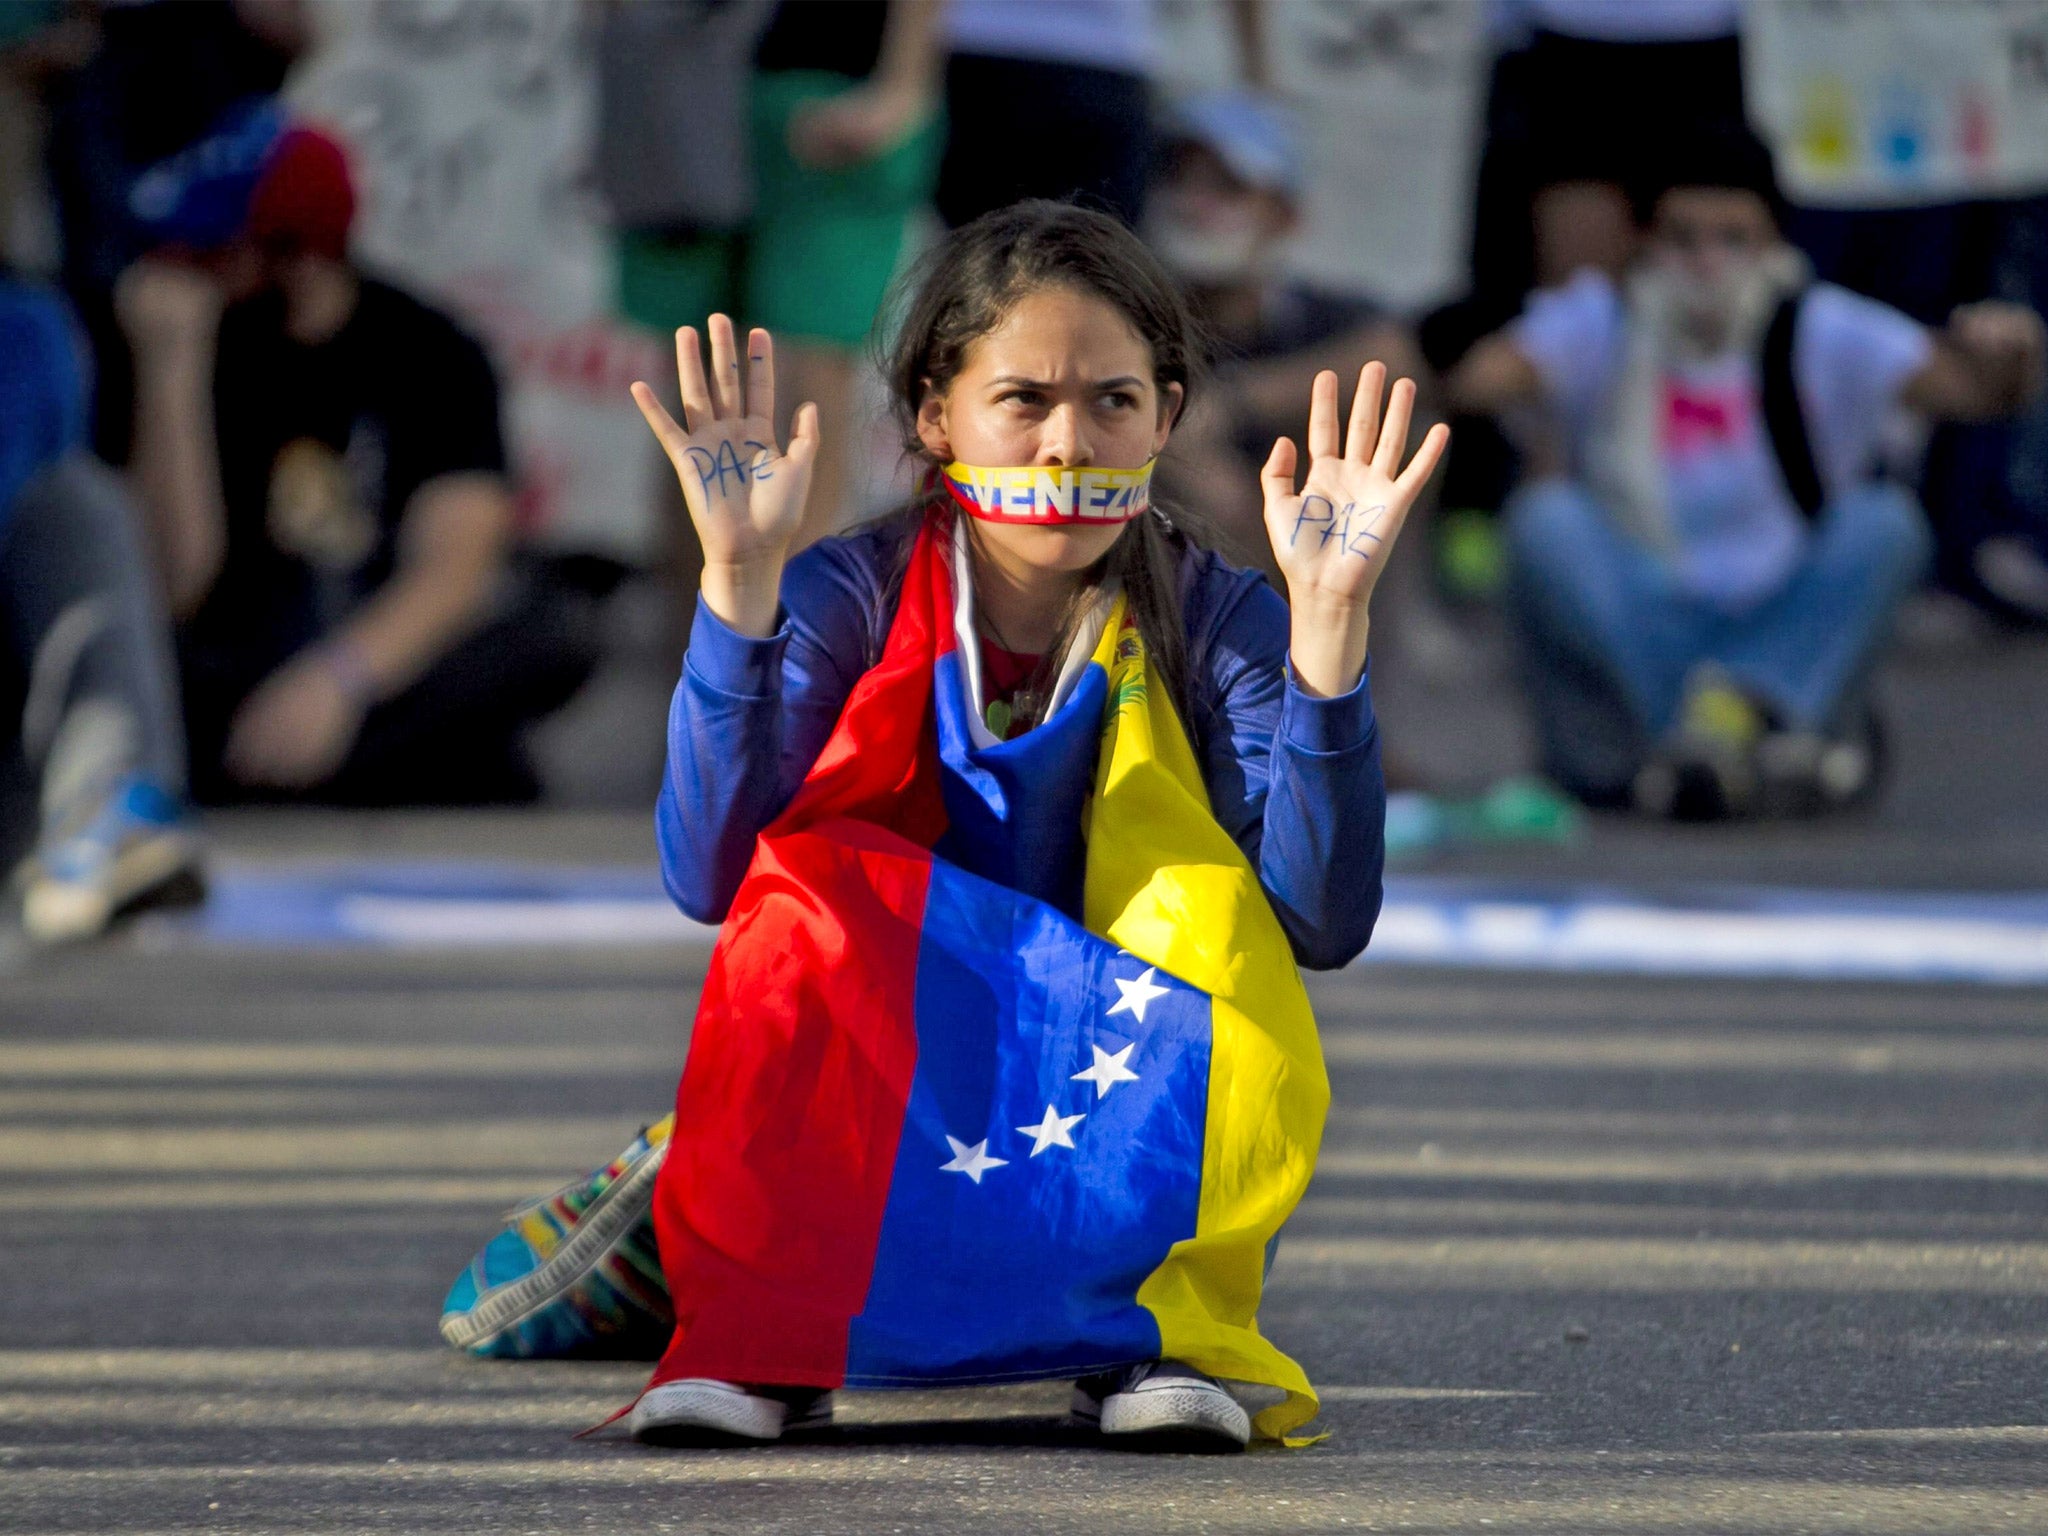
(42, 387)
(1295, 780)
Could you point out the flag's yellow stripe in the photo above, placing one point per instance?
(1166, 882)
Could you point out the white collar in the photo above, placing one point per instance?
(968, 642)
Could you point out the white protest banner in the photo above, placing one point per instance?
(1388, 95)
(469, 124)
(1901, 104)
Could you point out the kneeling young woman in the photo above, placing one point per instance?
(1020, 811)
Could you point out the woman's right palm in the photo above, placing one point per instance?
(745, 495)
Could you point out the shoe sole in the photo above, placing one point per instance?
(185, 889)
(157, 871)
(1177, 1419)
(688, 1413)
(623, 1205)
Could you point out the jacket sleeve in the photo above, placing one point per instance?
(1295, 780)
(748, 720)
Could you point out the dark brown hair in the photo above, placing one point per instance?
(962, 289)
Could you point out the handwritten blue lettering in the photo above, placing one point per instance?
(1316, 512)
(713, 468)
(1373, 516)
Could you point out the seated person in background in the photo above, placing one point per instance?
(325, 468)
(1219, 220)
(94, 770)
(1704, 565)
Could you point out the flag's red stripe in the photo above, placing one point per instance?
(769, 1207)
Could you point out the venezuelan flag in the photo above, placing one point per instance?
(934, 1131)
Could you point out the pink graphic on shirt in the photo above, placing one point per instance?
(1976, 128)
(1699, 418)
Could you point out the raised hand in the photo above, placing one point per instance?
(167, 307)
(2004, 340)
(1333, 537)
(746, 495)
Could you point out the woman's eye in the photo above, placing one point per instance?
(1119, 399)
(1021, 397)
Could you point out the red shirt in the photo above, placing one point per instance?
(1003, 673)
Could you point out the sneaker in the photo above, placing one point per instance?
(133, 848)
(698, 1411)
(1164, 1404)
(1805, 773)
(2013, 572)
(572, 1275)
(1708, 770)
(1849, 772)
(1789, 769)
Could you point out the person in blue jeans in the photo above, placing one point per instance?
(94, 750)
(1704, 560)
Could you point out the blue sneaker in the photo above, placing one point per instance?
(134, 847)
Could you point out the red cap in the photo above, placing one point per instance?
(304, 199)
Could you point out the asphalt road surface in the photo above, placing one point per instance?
(1582, 1256)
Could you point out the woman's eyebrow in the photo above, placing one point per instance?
(1121, 381)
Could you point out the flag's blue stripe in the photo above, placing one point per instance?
(1034, 1271)
(1014, 809)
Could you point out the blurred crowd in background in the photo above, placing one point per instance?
(319, 481)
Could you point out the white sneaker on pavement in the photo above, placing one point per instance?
(1165, 1402)
(135, 843)
(700, 1411)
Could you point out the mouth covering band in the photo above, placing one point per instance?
(1051, 495)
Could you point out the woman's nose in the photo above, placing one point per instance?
(1063, 441)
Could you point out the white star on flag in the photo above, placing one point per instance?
(1136, 994)
(1052, 1130)
(973, 1161)
(1107, 1070)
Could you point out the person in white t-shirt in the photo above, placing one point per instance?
(1704, 560)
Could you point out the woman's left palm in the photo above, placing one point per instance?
(1333, 536)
